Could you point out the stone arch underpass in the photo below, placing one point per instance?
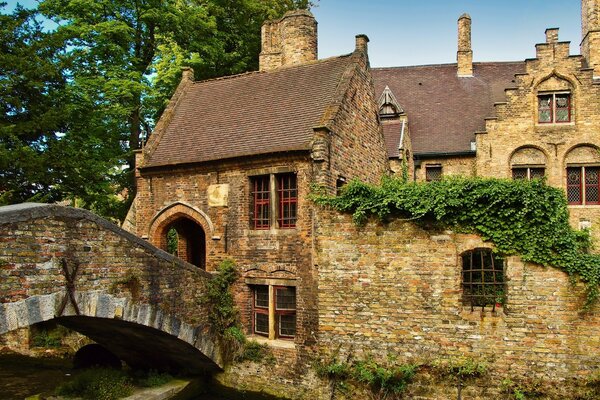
(69, 265)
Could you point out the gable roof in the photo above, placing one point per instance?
(249, 114)
(444, 111)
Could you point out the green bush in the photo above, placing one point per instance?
(152, 378)
(46, 338)
(97, 384)
(254, 351)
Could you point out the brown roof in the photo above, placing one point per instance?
(444, 111)
(249, 114)
(391, 132)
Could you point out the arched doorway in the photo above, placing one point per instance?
(185, 239)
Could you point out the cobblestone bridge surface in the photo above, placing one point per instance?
(86, 273)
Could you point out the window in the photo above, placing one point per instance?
(284, 211)
(482, 278)
(282, 301)
(554, 108)
(433, 173)
(528, 172)
(583, 185)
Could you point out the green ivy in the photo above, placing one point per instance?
(522, 217)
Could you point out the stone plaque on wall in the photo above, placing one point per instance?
(218, 195)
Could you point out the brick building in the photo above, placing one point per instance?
(230, 164)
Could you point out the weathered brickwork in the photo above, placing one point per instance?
(451, 166)
(515, 138)
(402, 297)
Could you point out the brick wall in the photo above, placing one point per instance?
(396, 289)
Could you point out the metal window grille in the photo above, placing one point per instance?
(285, 311)
(482, 278)
(287, 188)
(519, 173)
(536, 173)
(433, 173)
(261, 217)
(574, 185)
(261, 310)
(528, 172)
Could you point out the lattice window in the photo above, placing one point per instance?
(261, 216)
(482, 278)
(528, 172)
(285, 311)
(287, 190)
(554, 108)
(583, 185)
(591, 185)
(433, 173)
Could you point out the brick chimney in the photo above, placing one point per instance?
(464, 55)
(290, 40)
(590, 34)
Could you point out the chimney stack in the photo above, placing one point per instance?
(464, 55)
(361, 43)
(291, 40)
(590, 34)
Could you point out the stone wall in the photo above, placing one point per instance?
(459, 166)
(395, 289)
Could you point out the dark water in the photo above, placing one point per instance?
(22, 376)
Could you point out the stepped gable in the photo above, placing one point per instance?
(250, 114)
(444, 110)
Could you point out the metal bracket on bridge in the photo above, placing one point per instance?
(70, 275)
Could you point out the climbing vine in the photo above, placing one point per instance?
(522, 217)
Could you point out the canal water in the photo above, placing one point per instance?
(22, 376)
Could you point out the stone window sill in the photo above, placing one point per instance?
(277, 343)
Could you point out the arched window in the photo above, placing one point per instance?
(583, 175)
(482, 278)
(528, 163)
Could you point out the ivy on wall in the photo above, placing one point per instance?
(528, 218)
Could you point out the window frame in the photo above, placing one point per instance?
(582, 186)
(276, 195)
(433, 167)
(273, 312)
(528, 169)
(553, 108)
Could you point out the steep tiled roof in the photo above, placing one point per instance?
(249, 114)
(444, 111)
(392, 132)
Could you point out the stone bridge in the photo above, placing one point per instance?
(71, 266)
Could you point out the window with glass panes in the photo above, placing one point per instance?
(281, 300)
(583, 185)
(482, 278)
(554, 108)
(287, 192)
(261, 216)
(528, 173)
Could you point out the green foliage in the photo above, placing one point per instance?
(46, 338)
(152, 378)
(222, 311)
(460, 367)
(172, 241)
(254, 351)
(522, 217)
(98, 384)
(382, 379)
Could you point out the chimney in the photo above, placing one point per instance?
(590, 34)
(464, 55)
(362, 43)
(291, 40)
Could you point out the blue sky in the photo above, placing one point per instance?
(413, 32)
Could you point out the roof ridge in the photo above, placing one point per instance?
(446, 65)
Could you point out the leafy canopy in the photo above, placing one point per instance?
(528, 218)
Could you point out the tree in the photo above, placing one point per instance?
(104, 77)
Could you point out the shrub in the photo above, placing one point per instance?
(97, 384)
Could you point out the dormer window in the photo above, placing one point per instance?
(554, 108)
(388, 105)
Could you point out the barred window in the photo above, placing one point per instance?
(554, 108)
(583, 185)
(482, 278)
(433, 173)
(283, 304)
